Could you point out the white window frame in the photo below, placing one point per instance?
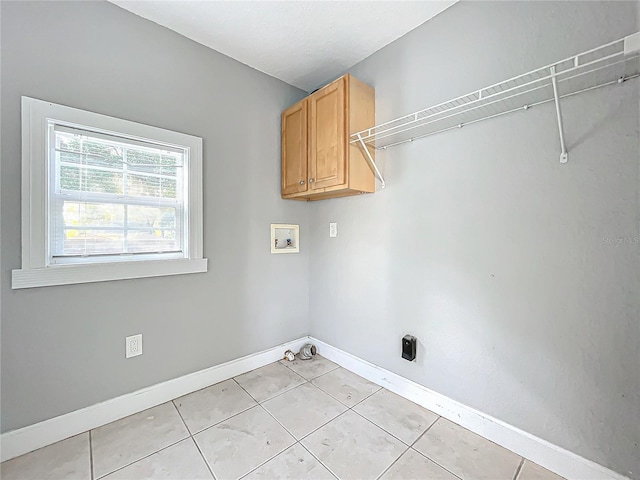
(36, 270)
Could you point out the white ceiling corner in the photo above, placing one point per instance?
(304, 43)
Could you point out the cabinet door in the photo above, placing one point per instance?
(294, 149)
(327, 141)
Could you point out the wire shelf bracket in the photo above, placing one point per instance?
(609, 64)
(372, 163)
(564, 156)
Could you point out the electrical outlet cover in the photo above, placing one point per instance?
(133, 345)
(333, 229)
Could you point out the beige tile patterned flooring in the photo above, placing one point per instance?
(300, 420)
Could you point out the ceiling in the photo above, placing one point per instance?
(304, 43)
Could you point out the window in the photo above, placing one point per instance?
(106, 199)
(110, 198)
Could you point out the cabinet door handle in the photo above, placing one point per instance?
(311, 180)
(301, 182)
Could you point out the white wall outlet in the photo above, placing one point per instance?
(134, 345)
(333, 229)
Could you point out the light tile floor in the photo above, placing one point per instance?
(299, 420)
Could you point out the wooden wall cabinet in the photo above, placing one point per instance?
(317, 160)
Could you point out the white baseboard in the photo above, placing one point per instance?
(32, 437)
(552, 457)
(546, 454)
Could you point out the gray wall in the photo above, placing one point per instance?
(482, 245)
(488, 249)
(63, 347)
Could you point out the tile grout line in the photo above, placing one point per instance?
(338, 400)
(484, 438)
(193, 440)
(324, 424)
(285, 449)
(142, 458)
(519, 469)
(317, 376)
(181, 417)
(223, 420)
(278, 394)
(425, 432)
(245, 391)
(327, 372)
(206, 462)
(412, 447)
(434, 462)
(297, 374)
(267, 460)
(279, 423)
(276, 454)
(282, 393)
(383, 429)
(318, 460)
(226, 419)
(393, 463)
(316, 429)
(368, 396)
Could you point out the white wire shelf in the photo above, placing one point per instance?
(608, 64)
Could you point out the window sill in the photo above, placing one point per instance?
(103, 272)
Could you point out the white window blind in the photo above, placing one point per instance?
(113, 198)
